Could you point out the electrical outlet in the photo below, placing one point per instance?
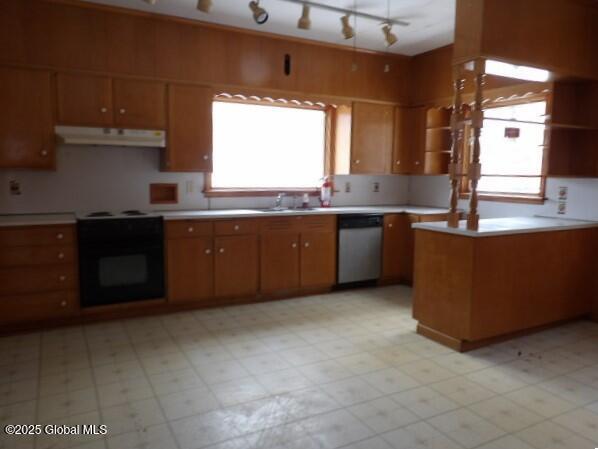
(347, 187)
(14, 187)
(563, 193)
(562, 208)
(376, 186)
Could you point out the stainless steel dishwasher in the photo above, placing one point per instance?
(359, 248)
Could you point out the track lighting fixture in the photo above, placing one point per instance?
(389, 36)
(204, 5)
(348, 32)
(304, 22)
(260, 15)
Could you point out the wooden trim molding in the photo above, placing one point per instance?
(507, 198)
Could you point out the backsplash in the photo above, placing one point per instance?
(582, 198)
(111, 178)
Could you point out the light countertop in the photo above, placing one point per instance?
(67, 218)
(506, 226)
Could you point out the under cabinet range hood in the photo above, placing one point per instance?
(77, 135)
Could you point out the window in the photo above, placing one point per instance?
(263, 147)
(512, 151)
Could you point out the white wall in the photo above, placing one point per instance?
(582, 202)
(107, 178)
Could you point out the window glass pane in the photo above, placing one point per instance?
(259, 146)
(520, 154)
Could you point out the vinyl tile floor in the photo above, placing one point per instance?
(341, 370)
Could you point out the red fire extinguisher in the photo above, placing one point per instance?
(326, 192)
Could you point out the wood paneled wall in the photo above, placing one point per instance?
(558, 35)
(68, 35)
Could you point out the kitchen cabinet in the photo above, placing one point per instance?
(38, 274)
(279, 261)
(397, 245)
(318, 259)
(190, 129)
(190, 266)
(139, 104)
(417, 140)
(371, 138)
(401, 151)
(236, 265)
(27, 119)
(84, 100)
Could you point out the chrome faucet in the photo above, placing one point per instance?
(279, 198)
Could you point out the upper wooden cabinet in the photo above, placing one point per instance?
(84, 100)
(139, 104)
(101, 101)
(190, 129)
(371, 138)
(27, 119)
(401, 152)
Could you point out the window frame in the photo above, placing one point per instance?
(506, 197)
(210, 191)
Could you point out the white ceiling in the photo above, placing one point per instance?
(431, 21)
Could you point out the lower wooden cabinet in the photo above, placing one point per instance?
(190, 266)
(279, 268)
(318, 259)
(397, 262)
(236, 265)
(16, 309)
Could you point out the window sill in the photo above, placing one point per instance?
(521, 199)
(223, 193)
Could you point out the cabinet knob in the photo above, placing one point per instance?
(122, 111)
(390, 225)
(62, 278)
(59, 236)
(61, 255)
(63, 303)
(236, 227)
(208, 251)
(103, 110)
(357, 161)
(190, 229)
(206, 157)
(293, 245)
(44, 153)
(306, 244)
(398, 162)
(221, 250)
(416, 162)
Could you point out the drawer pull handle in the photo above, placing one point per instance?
(416, 162)
(61, 255)
(122, 111)
(306, 244)
(62, 303)
(293, 245)
(60, 236)
(44, 153)
(208, 251)
(62, 278)
(221, 250)
(190, 229)
(103, 110)
(236, 227)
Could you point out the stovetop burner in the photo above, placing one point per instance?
(133, 213)
(99, 214)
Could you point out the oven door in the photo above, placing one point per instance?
(117, 274)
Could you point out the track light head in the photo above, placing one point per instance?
(204, 5)
(347, 30)
(304, 22)
(389, 36)
(260, 15)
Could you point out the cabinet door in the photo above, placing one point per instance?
(418, 139)
(236, 269)
(190, 269)
(318, 259)
(279, 261)
(401, 159)
(190, 129)
(84, 100)
(139, 104)
(371, 138)
(26, 120)
(396, 251)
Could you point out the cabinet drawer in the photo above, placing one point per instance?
(232, 227)
(37, 279)
(318, 223)
(279, 224)
(37, 236)
(24, 308)
(181, 229)
(36, 255)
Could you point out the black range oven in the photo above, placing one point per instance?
(120, 260)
